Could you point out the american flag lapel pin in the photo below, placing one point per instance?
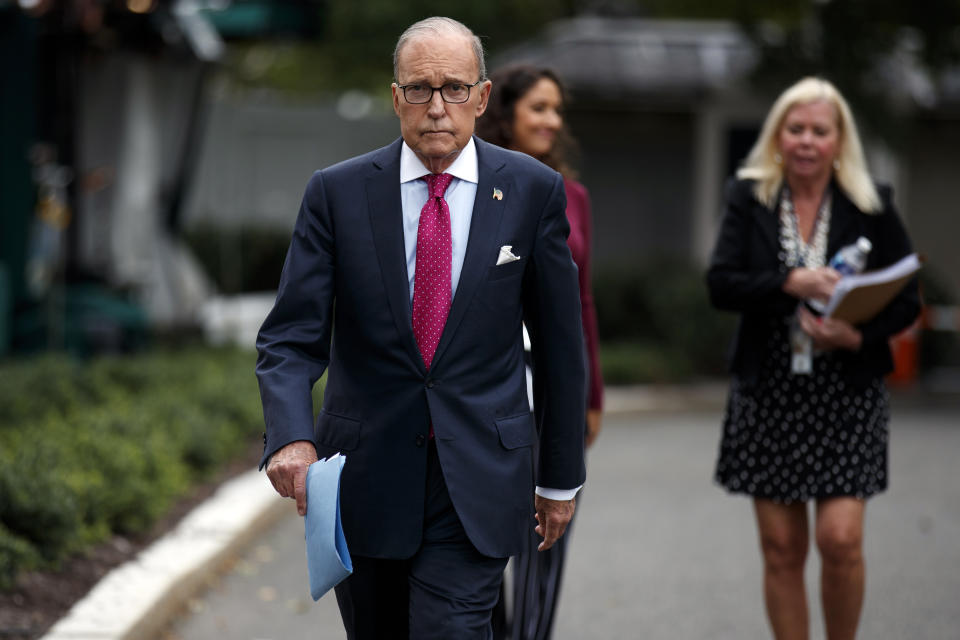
(497, 194)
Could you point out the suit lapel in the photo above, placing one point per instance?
(841, 219)
(386, 220)
(481, 245)
(768, 221)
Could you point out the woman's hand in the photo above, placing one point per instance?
(593, 425)
(803, 283)
(830, 333)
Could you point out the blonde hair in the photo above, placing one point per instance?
(850, 169)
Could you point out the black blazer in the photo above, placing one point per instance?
(746, 276)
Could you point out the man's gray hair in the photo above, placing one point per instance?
(436, 26)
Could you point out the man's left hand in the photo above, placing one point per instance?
(553, 516)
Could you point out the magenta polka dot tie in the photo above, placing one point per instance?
(431, 280)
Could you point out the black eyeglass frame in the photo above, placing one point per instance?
(403, 88)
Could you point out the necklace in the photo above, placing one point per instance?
(795, 251)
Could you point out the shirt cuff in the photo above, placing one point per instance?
(557, 494)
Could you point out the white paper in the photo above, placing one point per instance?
(905, 266)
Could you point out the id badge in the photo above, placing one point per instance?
(801, 349)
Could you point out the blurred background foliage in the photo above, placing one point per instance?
(853, 39)
(656, 323)
(355, 41)
(102, 448)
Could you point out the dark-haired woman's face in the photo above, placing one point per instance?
(537, 118)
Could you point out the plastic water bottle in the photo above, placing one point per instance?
(851, 259)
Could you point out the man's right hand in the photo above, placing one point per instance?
(287, 471)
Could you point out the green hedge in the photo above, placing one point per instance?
(91, 449)
(656, 323)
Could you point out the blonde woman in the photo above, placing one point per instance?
(806, 418)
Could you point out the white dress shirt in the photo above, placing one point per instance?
(460, 197)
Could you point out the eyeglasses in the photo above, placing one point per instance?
(452, 92)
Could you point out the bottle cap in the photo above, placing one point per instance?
(864, 244)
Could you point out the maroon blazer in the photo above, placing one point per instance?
(578, 215)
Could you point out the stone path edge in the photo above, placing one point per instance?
(139, 598)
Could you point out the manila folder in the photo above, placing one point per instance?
(859, 298)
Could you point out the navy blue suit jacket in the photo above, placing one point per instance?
(344, 306)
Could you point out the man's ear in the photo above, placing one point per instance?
(484, 97)
(395, 90)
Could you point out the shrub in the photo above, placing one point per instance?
(16, 554)
(88, 450)
(656, 323)
(634, 362)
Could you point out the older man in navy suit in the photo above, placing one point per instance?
(409, 273)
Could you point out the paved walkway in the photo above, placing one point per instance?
(658, 552)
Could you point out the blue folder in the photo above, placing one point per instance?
(328, 559)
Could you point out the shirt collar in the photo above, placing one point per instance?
(464, 167)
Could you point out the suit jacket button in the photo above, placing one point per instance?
(420, 440)
(429, 384)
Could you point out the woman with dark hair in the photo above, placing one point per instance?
(525, 113)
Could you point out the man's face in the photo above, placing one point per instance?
(437, 130)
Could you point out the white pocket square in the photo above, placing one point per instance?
(506, 255)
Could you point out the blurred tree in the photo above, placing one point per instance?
(354, 48)
(887, 56)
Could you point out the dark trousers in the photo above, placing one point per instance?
(535, 591)
(446, 591)
(536, 579)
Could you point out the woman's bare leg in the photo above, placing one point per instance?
(784, 539)
(840, 541)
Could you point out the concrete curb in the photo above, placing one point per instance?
(138, 598)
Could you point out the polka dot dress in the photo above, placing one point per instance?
(793, 438)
